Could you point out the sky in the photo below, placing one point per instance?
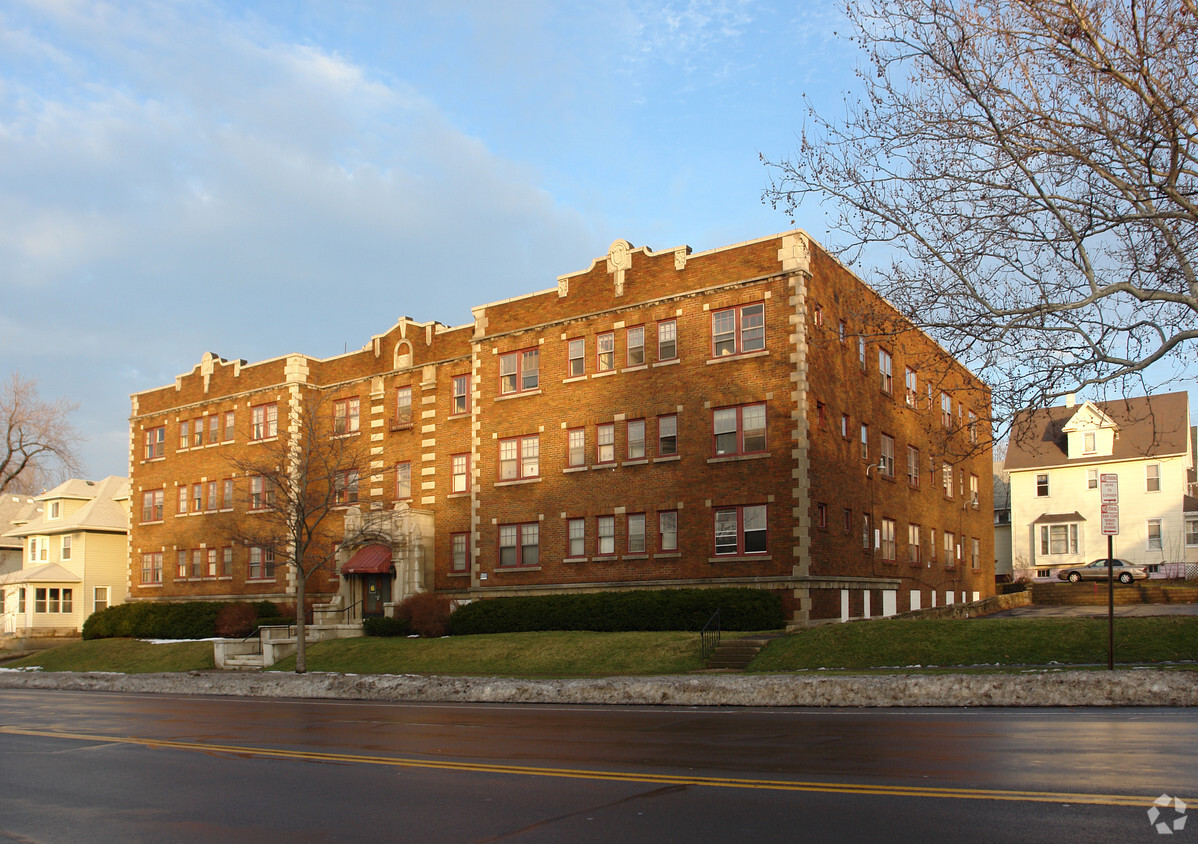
(260, 179)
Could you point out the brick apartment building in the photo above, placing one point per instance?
(753, 415)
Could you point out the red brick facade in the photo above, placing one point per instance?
(660, 419)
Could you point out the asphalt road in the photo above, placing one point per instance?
(80, 766)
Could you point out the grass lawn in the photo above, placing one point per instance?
(128, 656)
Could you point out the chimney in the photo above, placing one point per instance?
(1070, 400)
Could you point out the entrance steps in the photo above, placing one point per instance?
(736, 654)
(275, 643)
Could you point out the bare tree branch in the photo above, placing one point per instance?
(1034, 166)
(39, 443)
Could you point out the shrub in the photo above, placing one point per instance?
(179, 620)
(426, 614)
(665, 609)
(386, 627)
(236, 620)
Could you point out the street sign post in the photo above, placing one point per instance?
(1108, 488)
(1110, 519)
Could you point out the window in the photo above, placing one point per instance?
(913, 551)
(151, 567)
(151, 505)
(841, 331)
(973, 427)
(1058, 539)
(975, 553)
(973, 490)
(886, 371)
(33, 549)
(946, 477)
(636, 439)
(576, 447)
(576, 364)
(1154, 535)
(738, 330)
(519, 545)
(55, 510)
(461, 394)
(345, 487)
(213, 498)
(740, 530)
(181, 557)
(403, 481)
(912, 387)
(197, 498)
(264, 421)
(605, 528)
(861, 352)
(949, 541)
(460, 467)
(403, 407)
(605, 349)
(821, 415)
(636, 533)
(912, 465)
(667, 530)
(155, 442)
(844, 425)
(667, 436)
(576, 538)
(197, 433)
(519, 371)
(99, 598)
(262, 494)
(946, 410)
(667, 339)
(1191, 531)
(52, 600)
(888, 540)
(230, 425)
(1153, 477)
(197, 563)
(345, 415)
(460, 545)
(213, 429)
(636, 345)
(1042, 485)
(183, 499)
(847, 515)
(184, 434)
(65, 548)
(519, 458)
(1091, 479)
(864, 441)
(817, 316)
(821, 515)
(867, 539)
(886, 464)
(739, 430)
(262, 564)
(227, 498)
(605, 443)
(1088, 444)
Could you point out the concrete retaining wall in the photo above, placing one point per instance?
(1094, 593)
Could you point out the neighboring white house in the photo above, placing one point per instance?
(1002, 524)
(1055, 458)
(74, 558)
(14, 509)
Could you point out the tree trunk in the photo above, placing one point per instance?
(301, 658)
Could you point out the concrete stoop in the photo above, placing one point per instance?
(736, 654)
(274, 644)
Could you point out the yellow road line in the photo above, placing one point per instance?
(614, 776)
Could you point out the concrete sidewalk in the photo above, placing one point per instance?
(1093, 611)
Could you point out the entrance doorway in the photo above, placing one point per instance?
(374, 594)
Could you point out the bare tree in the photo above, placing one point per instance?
(1031, 164)
(299, 485)
(39, 442)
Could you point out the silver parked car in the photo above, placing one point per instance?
(1124, 571)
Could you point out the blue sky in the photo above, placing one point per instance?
(256, 179)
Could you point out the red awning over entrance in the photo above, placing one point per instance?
(373, 559)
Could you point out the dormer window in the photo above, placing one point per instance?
(55, 510)
(1089, 447)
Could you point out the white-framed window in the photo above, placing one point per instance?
(605, 352)
(461, 394)
(912, 465)
(576, 362)
(636, 533)
(151, 567)
(973, 427)
(264, 421)
(605, 530)
(912, 387)
(226, 561)
(155, 442)
(741, 530)
(460, 466)
(576, 447)
(605, 443)
(197, 563)
(950, 541)
(738, 330)
(213, 429)
(576, 538)
(1155, 537)
(946, 478)
(261, 494)
(460, 546)
(1152, 473)
(667, 435)
(636, 345)
(261, 563)
(946, 410)
(230, 425)
(197, 498)
(867, 533)
(1091, 479)
(52, 600)
(888, 531)
(345, 487)
(151, 505)
(65, 549)
(403, 406)
(184, 434)
(197, 433)
(861, 351)
(403, 481)
(738, 430)
(1088, 445)
(99, 598)
(1042, 485)
(973, 489)
(913, 549)
(519, 371)
(844, 425)
(667, 530)
(1059, 539)
(54, 510)
(975, 553)
(519, 458)
(886, 463)
(519, 545)
(864, 441)
(636, 439)
(886, 371)
(1191, 531)
(667, 339)
(842, 331)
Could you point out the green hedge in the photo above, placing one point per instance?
(142, 620)
(664, 609)
(386, 626)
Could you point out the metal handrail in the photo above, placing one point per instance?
(345, 609)
(709, 636)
